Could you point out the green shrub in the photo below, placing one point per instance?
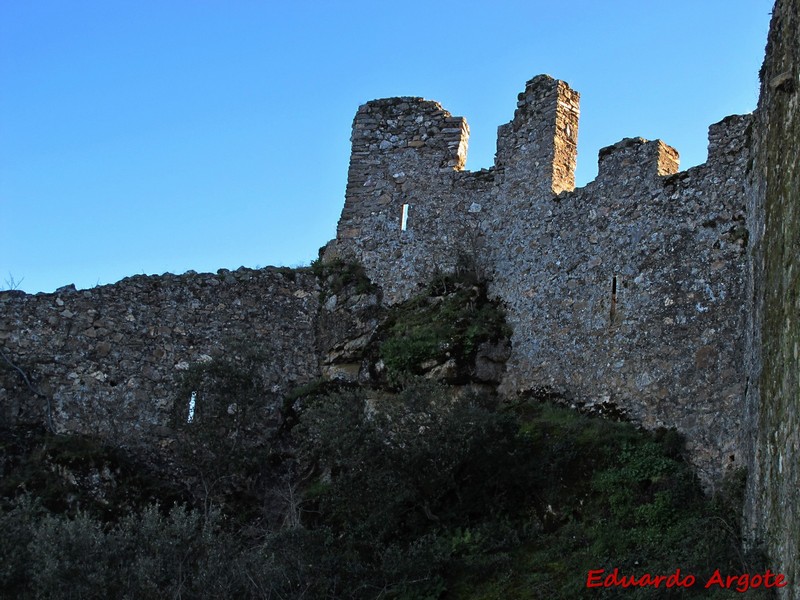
(17, 522)
(337, 274)
(148, 554)
(450, 320)
(425, 493)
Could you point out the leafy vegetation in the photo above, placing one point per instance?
(450, 320)
(338, 274)
(426, 493)
(412, 491)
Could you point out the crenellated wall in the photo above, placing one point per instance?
(409, 152)
(629, 293)
(626, 292)
(669, 296)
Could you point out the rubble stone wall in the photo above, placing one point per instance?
(109, 360)
(626, 292)
(773, 340)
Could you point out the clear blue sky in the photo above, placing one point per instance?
(152, 136)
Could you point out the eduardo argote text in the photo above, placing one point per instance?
(600, 578)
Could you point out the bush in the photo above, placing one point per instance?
(338, 274)
(17, 522)
(425, 493)
(150, 554)
(450, 320)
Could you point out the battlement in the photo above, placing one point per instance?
(537, 149)
(636, 157)
(627, 290)
(397, 124)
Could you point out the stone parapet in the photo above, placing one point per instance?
(537, 150)
(636, 157)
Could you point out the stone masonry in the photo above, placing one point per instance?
(108, 361)
(668, 296)
(773, 341)
(626, 294)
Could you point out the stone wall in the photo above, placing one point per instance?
(109, 360)
(410, 209)
(667, 296)
(773, 356)
(405, 154)
(627, 292)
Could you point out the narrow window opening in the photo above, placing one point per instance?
(192, 400)
(613, 314)
(404, 218)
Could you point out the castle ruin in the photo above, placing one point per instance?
(668, 296)
(626, 293)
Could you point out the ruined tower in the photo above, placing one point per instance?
(410, 208)
(625, 295)
(537, 151)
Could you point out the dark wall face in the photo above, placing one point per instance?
(773, 500)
